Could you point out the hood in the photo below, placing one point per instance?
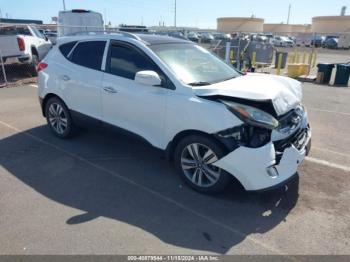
(285, 93)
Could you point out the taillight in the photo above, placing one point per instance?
(21, 44)
(41, 66)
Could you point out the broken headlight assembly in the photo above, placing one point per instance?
(252, 116)
(292, 121)
(256, 130)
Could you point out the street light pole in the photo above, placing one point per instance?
(289, 9)
(64, 5)
(175, 18)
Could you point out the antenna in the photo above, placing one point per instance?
(64, 5)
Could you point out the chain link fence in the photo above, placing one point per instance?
(3, 78)
(14, 73)
(273, 53)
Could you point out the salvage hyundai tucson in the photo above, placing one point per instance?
(216, 124)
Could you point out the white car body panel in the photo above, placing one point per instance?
(158, 114)
(285, 93)
(144, 117)
(215, 116)
(249, 166)
(82, 90)
(9, 46)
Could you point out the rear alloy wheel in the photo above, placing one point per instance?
(194, 158)
(58, 118)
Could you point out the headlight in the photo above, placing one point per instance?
(252, 116)
(292, 121)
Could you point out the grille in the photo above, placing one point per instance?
(296, 139)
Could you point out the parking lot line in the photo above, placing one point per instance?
(150, 191)
(328, 111)
(331, 151)
(328, 164)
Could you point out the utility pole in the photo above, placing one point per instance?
(175, 17)
(64, 5)
(289, 9)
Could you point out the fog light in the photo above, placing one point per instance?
(272, 171)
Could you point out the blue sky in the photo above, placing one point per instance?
(202, 13)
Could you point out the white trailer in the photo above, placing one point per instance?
(344, 41)
(304, 39)
(79, 20)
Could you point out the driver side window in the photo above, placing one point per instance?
(125, 62)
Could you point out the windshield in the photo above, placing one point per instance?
(193, 64)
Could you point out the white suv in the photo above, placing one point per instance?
(215, 123)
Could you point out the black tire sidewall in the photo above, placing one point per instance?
(33, 65)
(225, 178)
(70, 126)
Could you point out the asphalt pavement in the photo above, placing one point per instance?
(104, 192)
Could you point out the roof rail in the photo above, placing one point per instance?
(126, 34)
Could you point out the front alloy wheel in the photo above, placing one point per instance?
(194, 159)
(196, 162)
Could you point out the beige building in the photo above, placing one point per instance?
(286, 29)
(240, 24)
(277, 28)
(257, 25)
(301, 28)
(331, 24)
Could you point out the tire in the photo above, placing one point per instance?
(59, 119)
(198, 174)
(33, 66)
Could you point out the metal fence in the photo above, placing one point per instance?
(244, 50)
(14, 73)
(3, 78)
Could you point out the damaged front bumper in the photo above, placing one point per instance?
(264, 168)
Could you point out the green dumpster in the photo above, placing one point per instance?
(343, 75)
(327, 70)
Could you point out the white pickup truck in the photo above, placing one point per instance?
(23, 45)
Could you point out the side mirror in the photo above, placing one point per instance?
(148, 78)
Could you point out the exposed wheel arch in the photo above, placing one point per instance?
(47, 98)
(34, 51)
(175, 141)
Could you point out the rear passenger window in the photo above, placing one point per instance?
(66, 48)
(89, 54)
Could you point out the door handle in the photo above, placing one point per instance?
(65, 78)
(110, 90)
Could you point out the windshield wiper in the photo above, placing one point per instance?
(227, 79)
(199, 84)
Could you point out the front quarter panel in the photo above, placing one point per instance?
(186, 113)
